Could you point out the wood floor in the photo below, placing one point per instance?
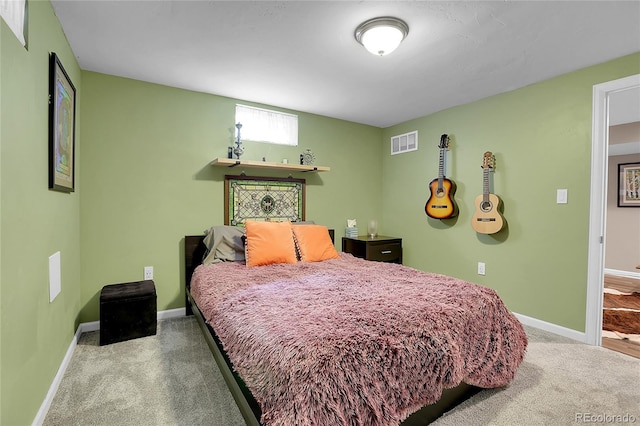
(623, 284)
(626, 285)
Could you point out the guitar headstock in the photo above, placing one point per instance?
(444, 142)
(489, 160)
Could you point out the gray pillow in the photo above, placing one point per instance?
(224, 244)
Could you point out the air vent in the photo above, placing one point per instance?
(404, 143)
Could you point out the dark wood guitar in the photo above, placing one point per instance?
(441, 204)
(487, 218)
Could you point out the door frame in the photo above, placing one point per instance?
(598, 202)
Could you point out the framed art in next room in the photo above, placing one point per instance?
(62, 123)
(629, 185)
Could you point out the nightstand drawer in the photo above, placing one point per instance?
(390, 252)
(379, 248)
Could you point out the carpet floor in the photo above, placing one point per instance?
(172, 379)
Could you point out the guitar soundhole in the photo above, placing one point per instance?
(486, 206)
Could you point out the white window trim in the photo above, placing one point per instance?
(13, 13)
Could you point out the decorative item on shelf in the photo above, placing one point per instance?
(230, 152)
(238, 150)
(372, 228)
(307, 158)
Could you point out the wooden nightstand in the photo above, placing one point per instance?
(380, 248)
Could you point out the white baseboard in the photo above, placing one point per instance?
(619, 273)
(552, 328)
(172, 313)
(44, 408)
(84, 327)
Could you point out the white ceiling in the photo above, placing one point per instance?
(302, 55)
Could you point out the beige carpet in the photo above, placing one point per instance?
(171, 379)
(168, 379)
(561, 382)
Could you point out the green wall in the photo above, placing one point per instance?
(34, 221)
(541, 137)
(147, 181)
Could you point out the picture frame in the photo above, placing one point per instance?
(62, 124)
(629, 185)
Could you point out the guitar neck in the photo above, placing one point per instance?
(485, 185)
(441, 168)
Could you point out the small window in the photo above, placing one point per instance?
(14, 13)
(404, 143)
(264, 125)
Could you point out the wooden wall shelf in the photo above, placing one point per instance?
(232, 162)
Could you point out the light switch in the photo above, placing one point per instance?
(561, 196)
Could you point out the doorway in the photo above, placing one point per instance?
(602, 96)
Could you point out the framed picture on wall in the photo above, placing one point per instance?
(62, 123)
(629, 185)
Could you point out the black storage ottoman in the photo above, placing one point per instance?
(127, 311)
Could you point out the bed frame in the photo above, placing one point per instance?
(194, 249)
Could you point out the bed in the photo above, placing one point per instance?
(343, 340)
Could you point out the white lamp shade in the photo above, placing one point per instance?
(382, 40)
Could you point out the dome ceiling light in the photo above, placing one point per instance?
(382, 35)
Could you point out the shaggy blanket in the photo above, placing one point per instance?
(353, 342)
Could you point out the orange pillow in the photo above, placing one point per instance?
(314, 243)
(269, 242)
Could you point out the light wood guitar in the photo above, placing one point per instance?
(487, 218)
(441, 204)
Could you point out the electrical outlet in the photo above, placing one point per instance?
(148, 272)
(481, 268)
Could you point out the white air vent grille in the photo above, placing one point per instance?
(404, 143)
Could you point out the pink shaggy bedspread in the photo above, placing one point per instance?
(353, 342)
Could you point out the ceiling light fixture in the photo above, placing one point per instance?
(382, 35)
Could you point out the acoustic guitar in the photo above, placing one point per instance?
(441, 204)
(487, 218)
